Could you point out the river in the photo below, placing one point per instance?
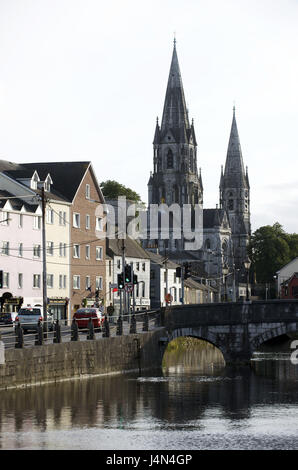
(194, 402)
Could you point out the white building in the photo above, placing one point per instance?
(139, 259)
(285, 273)
(163, 281)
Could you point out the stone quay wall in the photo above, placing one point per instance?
(78, 359)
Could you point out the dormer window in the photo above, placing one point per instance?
(34, 180)
(47, 183)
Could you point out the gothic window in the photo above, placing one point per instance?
(191, 160)
(170, 159)
(231, 204)
(207, 244)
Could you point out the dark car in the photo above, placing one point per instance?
(8, 318)
(83, 315)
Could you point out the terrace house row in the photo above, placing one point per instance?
(75, 244)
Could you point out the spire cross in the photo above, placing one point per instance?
(174, 39)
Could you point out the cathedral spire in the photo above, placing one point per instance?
(234, 174)
(175, 114)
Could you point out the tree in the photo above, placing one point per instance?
(270, 249)
(112, 190)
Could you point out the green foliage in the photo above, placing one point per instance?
(112, 190)
(270, 249)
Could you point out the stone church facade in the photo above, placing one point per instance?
(177, 181)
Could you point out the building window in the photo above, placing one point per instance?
(76, 251)
(99, 252)
(87, 191)
(5, 248)
(87, 221)
(62, 218)
(62, 250)
(76, 282)
(118, 264)
(20, 249)
(20, 220)
(88, 283)
(36, 281)
(20, 280)
(4, 218)
(62, 281)
(98, 282)
(144, 266)
(5, 280)
(170, 159)
(50, 281)
(76, 220)
(138, 266)
(231, 204)
(50, 216)
(87, 251)
(110, 268)
(50, 248)
(98, 224)
(37, 222)
(36, 251)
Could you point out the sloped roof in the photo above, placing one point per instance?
(132, 248)
(156, 258)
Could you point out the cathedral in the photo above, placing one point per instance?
(176, 180)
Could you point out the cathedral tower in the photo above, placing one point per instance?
(175, 178)
(235, 196)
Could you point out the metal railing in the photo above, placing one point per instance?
(65, 330)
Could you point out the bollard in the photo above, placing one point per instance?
(119, 326)
(146, 322)
(19, 337)
(90, 329)
(106, 328)
(57, 332)
(39, 335)
(133, 324)
(74, 331)
(157, 319)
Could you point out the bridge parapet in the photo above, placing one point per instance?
(231, 313)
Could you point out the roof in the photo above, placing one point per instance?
(288, 264)
(213, 217)
(158, 259)
(132, 248)
(16, 203)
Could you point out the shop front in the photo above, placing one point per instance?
(58, 307)
(9, 303)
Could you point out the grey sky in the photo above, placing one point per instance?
(86, 79)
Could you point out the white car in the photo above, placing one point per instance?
(29, 318)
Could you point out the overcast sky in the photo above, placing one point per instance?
(86, 79)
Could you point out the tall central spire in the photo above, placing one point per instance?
(234, 167)
(175, 115)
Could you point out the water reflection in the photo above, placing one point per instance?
(210, 406)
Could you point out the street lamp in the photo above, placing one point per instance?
(247, 264)
(225, 270)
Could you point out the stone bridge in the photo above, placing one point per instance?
(237, 329)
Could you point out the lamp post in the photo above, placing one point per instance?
(247, 264)
(225, 270)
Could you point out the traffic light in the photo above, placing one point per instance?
(120, 281)
(128, 273)
(178, 272)
(1, 279)
(186, 270)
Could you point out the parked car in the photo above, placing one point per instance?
(8, 318)
(29, 318)
(83, 315)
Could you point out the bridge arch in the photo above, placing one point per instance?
(197, 332)
(279, 330)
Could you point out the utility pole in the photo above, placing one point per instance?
(123, 271)
(44, 264)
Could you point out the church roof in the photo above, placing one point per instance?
(213, 217)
